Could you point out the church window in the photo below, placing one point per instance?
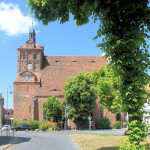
(29, 109)
(24, 56)
(101, 112)
(27, 88)
(23, 78)
(35, 56)
(30, 78)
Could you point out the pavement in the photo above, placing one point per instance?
(7, 141)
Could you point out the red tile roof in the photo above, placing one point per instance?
(10, 112)
(35, 46)
(56, 69)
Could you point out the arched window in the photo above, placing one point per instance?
(24, 56)
(101, 112)
(35, 56)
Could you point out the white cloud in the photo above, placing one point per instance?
(13, 21)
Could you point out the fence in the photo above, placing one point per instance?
(9, 133)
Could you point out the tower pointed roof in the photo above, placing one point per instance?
(32, 34)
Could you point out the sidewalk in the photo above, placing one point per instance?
(6, 141)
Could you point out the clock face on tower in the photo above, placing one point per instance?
(30, 66)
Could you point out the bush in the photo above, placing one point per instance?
(33, 124)
(15, 123)
(102, 123)
(42, 121)
(126, 145)
(55, 127)
(43, 126)
(22, 122)
(118, 125)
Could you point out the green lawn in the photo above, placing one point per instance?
(100, 141)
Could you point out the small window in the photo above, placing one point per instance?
(92, 61)
(35, 56)
(57, 61)
(75, 61)
(55, 90)
(23, 78)
(24, 56)
(30, 78)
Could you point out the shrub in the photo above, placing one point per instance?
(55, 127)
(22, 122)
(102, 123)
(126, 145)
(43, 126)
(33, 124)
(125, 124)
(15, 123)
(42, 121)
(118, 125)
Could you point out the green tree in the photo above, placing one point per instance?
(124, 24)
(80, 97)
(53, 109)
(106, 85)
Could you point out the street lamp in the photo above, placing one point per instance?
(8, 92)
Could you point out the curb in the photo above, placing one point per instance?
(75, 142)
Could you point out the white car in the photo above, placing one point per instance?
(6, 127)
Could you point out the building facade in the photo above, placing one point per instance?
(39, 77)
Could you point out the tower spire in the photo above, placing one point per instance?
(32, 34)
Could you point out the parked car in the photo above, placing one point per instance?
(6, 127)
(23, 127)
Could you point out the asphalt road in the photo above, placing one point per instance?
(44, 141)
(58, 140)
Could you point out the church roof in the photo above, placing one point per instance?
(56, 69)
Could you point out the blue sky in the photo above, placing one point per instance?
(58, 40)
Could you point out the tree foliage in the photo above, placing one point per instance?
(79, 96)
(125, 25)
(53, 109)
(106, 85)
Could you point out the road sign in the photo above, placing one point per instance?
(89, 117)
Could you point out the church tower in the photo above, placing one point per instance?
(30, 56)
(28, 79)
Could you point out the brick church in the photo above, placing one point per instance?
(39, 77)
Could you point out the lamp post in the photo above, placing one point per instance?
(8, 92)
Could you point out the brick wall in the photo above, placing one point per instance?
(23, 100)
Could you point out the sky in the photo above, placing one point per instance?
(58, 39)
